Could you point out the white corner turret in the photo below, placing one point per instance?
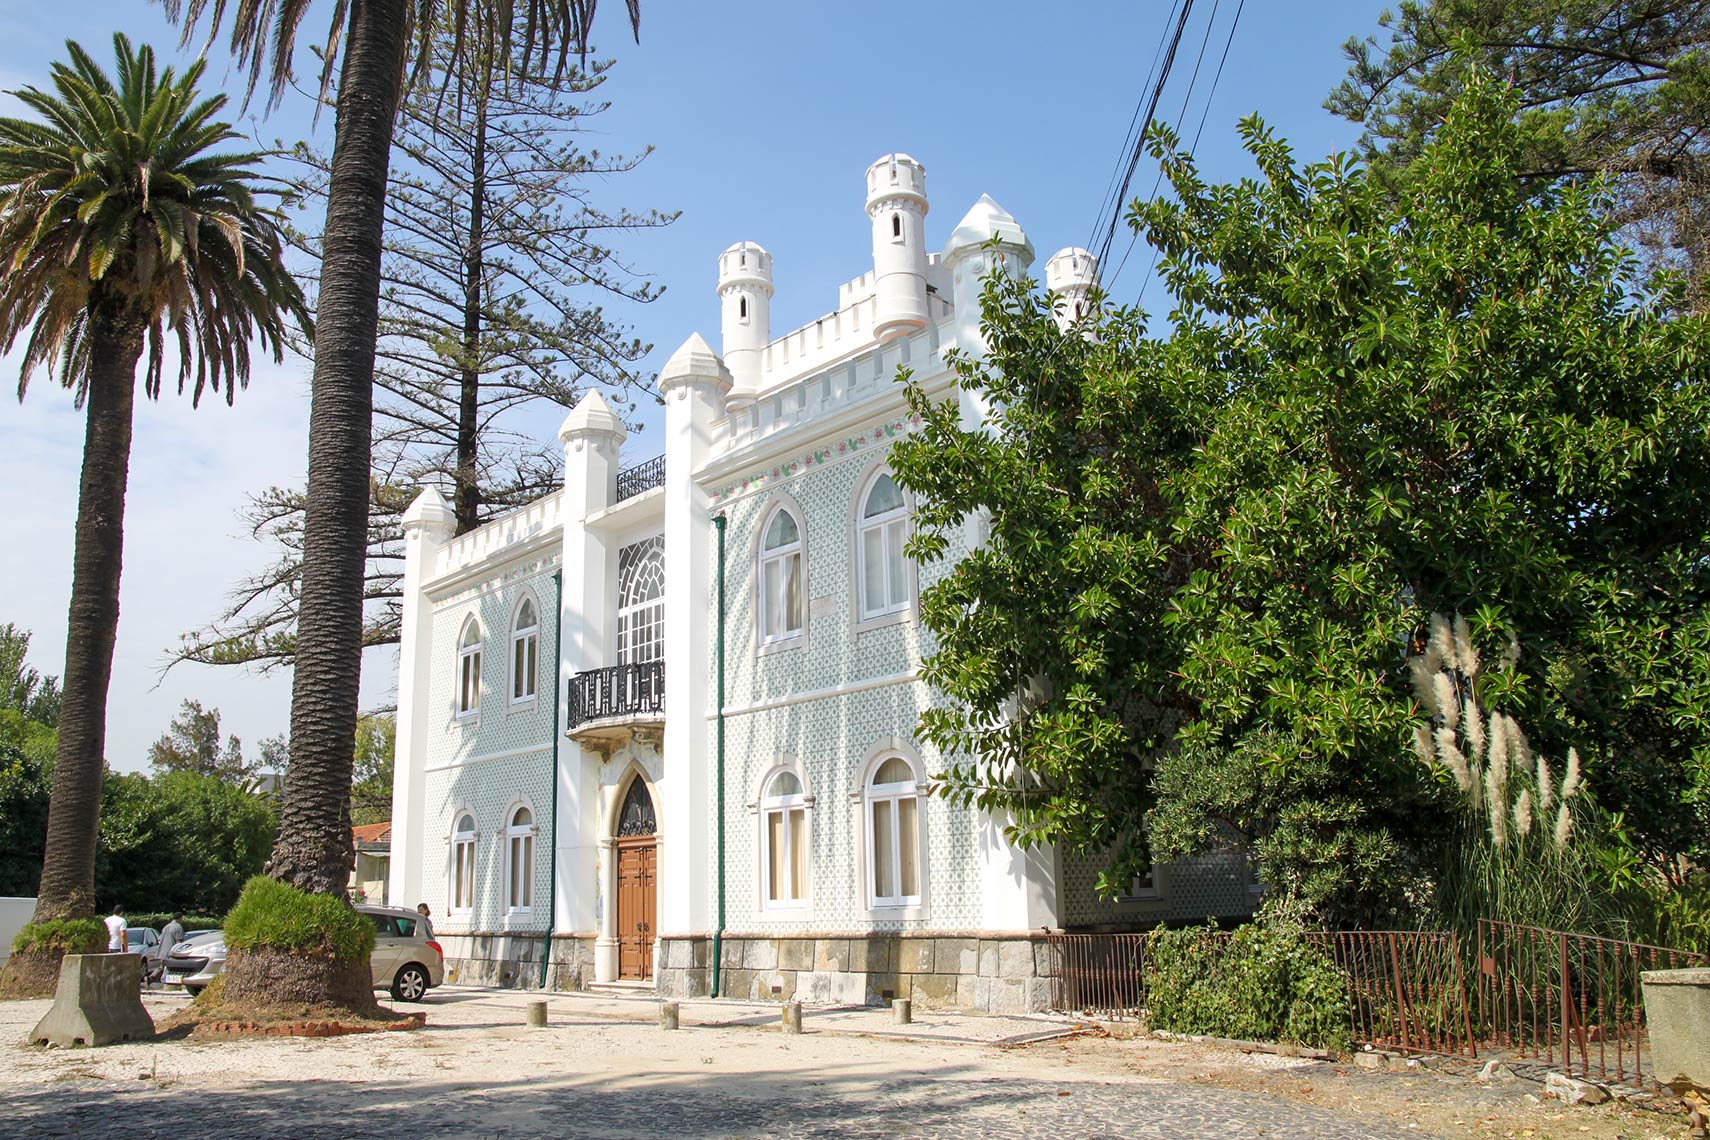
(1070, 277)
(968, 258)
(429, 514)
(745, 291)
(896, 203)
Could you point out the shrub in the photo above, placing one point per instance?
(270, 915)
(158, 919)
(1264, 982)
(61, 936)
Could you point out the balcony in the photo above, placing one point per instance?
(632, 481)
(609, 707)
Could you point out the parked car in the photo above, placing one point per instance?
(407, 962)
(144, 941)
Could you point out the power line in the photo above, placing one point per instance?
(1135, 124)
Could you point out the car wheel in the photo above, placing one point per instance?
(411, 984)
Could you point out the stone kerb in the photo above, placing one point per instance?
(98, 1002)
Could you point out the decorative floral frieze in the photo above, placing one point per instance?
(818, 457)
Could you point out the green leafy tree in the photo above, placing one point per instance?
(371, 792)
(22, 688)
(183, 841)
(122, 228)
(1212, 551)
(1604, 87)
(191, 743)
(25, 773)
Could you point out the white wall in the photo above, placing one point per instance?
(14, 913)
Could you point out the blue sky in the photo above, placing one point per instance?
(764, 116)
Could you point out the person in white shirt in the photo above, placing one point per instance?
(116, 942)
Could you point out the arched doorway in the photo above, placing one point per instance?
(637, 882)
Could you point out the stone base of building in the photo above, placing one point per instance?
(979, 971)
(512, 961)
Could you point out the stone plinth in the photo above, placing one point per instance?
(1677, 1011)
(98, 1002)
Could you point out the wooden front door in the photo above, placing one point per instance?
(637, 882)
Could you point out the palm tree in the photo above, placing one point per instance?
(122, 232)
(378, 40)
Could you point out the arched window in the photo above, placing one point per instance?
(893, 835)
(780, 578)
(469, 669)
(742, 308)
(882, 530)
(783, 825)
(519, 861)
(635, 814)
(463, 864)
(896, 225)
(641, 602)
(525, 652)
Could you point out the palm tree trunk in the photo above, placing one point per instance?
(314, 851)
(68, 862)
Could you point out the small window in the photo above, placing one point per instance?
(893, 835)
(896, 226)
(783, 819)
(519, 855)
(1143, 886)
(742, 308)
(469, 670)
(883, 573)
(525, 653)
(463, 864)
(780, 578)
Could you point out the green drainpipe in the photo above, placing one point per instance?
(552, 853)
(718, 930)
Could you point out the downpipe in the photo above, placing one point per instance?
(718, 751)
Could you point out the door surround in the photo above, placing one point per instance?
(607, 946)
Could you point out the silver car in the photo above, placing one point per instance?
(145, 943)
(407, 962)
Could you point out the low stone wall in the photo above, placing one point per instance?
(512, 960)
(983, 971)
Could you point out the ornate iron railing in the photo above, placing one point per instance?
(622, 690)
(633, 481)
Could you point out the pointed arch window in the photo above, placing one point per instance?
(881, 532)
(469, 670)
(636, 816)
(641, 602)
(781, 574)
(463, 864)
(525, 653)
(893, 835)
(783, 821)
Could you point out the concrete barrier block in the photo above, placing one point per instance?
(98, 1002)
(1677, 1011)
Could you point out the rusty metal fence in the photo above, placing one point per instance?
(1099, 974)
(1406, 989)
(1572, 1001)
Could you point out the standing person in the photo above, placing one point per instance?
(116, 942)
(173, 932)
(422, 909)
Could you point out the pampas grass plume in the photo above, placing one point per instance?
(1564, 826)
(1440, 649)
(1447, 706)
(1450, 754)
(1570, 786)
(1420, 674)
(1523, 813)
(1422, 746)
(1493, 792)
(1474, 720)
(1466, 653)
(1546, 786)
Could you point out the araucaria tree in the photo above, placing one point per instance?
(1212, 551)
(371, 47)
(496, 262)
(123, 228)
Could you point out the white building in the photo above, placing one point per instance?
(608, 802)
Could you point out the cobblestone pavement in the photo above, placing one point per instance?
(476, 1074)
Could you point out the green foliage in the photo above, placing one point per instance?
(1211, 551)
(158, 919)
(22, 689)
(179, 840)
(191, 743)
(270, 915)
(61, 936)
(26, 773)
(1266, 981)
(371, 786)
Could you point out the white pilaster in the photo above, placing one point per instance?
(428, 523)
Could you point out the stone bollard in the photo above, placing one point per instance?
(667, 1015)
(537, 1013)
(903, 1010)
(792, 1017)
(98, 1002)
(1677, 1008)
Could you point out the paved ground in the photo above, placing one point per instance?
(598, 1070)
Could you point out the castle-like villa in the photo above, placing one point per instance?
(669, 710)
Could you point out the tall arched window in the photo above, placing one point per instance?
(882, 530)
(896, 225)
(780, 577)
(783, 825)
(525, 652)
(463, 864)
(893, 835)
(469, 669)
(519, 861)
(641, 602)
(742, 308)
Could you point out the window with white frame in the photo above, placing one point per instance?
(783, 824)
(1143, 886)
(519, 860)
(641, 602)
(463, 864)
(882, 531)
(469, 669)
(780, 577)
(525, 652)
(893, 835)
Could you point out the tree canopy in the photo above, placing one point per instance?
(191, 743)
(1212, 550)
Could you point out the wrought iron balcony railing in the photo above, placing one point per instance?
(620, 691)
(642, 477)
